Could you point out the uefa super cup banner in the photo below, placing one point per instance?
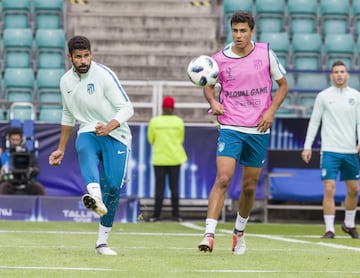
(289, 134)
(55, 208)
(52, 208)
(18, 207)
(197, 174)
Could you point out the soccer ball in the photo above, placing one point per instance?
(203, 71)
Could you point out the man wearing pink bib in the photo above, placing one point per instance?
(245, 111)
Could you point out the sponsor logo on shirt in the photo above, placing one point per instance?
(252, 92)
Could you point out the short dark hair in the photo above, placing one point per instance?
(79, 43)
(338, 63)
(15, 131)
(243, 17)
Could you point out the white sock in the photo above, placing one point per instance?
(103, 235)
(94, 189)
(329, 223)
(210, 226)
(350, 218)
(240, 222)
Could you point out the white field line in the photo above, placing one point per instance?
(192, 271)
(222, 232)
(95, 233)
(279, 238)
(320, 272)
(60, 268)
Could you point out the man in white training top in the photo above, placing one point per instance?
(93, 96)
(337, 109)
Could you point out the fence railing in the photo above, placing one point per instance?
(147, 96)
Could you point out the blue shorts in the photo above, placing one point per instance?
(104, 151)
(247, 149)
(103, 160)
(332, 163)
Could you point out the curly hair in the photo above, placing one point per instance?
(79, 42)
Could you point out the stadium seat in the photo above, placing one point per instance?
(50, 48)
(302, 16)
(270, 15)
(21, 111)
(17, 45)
(306, 51)
(279, 43)
(290, 79)
(16, 13)
(270, 7)
(286, 109)
(50, 113)
(48, 14)
(306, 102)
(231, 6)
(311, 82)
(49, 78)
(19, 84)
(51, 97)
(356, 16)
(49, 59)
(334, 16)
(354, 81)
(339, 47)
(48, 81)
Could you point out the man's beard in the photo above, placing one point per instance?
(83, 68)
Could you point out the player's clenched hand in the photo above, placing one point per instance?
(265, 121)
(102, 129)
(56, 157)
(306, 155)
(217, 108)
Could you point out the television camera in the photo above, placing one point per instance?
(22, 170)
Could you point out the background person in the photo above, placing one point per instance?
(93, 96)
(166, 133)
(337, 109)
(19, 167)
(245, 119)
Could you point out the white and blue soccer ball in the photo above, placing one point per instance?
(203, 71)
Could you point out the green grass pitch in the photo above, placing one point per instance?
(167, 249)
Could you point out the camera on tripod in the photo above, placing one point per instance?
(21, 170)
(19, 167)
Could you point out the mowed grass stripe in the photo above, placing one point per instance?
(170, 250)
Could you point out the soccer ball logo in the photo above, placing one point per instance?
(203, 71)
